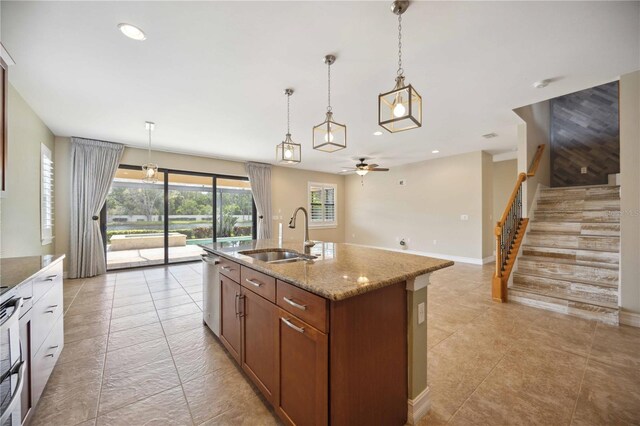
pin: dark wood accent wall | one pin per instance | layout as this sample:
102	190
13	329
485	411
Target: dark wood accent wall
585	132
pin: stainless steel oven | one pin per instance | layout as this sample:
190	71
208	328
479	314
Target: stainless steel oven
11	363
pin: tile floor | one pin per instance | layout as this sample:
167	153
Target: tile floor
136	353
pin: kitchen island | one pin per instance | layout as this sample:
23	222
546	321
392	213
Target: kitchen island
337	337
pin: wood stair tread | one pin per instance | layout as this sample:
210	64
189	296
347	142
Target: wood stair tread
540	274
574	262
573	298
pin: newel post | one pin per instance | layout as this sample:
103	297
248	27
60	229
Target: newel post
498	292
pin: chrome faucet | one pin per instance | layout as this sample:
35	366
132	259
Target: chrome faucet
292	224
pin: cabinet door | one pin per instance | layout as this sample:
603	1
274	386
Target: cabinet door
303	364
260	338
230	316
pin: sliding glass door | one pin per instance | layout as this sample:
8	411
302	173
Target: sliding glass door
134	221
190	215
153	224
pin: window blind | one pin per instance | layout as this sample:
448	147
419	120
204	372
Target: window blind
46	195
322	204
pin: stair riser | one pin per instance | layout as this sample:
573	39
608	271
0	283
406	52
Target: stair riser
568	290
561	205
578	256
595	193
582	310
596	216
605	229
599	276
611	244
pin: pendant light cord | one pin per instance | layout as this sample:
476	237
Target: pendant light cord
329	86
288	114
149	150
400	70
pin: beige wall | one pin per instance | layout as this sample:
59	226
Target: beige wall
505	174
534	132
20	205
289	186
630	192
488	224
289	190
427	208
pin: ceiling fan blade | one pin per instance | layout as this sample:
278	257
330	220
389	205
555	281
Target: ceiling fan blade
379	169
371	166
345	171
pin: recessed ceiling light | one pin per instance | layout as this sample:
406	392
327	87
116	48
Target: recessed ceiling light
435	151
490	135
541	84
132	32
378	133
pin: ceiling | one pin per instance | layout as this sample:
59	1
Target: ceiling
211	74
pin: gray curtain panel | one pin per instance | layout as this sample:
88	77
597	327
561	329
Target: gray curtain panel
260	179
93	166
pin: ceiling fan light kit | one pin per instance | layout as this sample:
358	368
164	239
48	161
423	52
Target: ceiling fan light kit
401	108
288	152
329	136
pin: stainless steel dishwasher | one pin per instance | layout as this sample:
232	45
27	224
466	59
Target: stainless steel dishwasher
211	292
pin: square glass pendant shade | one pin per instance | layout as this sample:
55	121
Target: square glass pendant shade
150	173
288	152
400	109
329	136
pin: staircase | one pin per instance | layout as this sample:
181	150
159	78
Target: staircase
569	261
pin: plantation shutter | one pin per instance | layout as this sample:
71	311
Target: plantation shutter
316	204
46	195
322	204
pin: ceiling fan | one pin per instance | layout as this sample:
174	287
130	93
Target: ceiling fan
363	168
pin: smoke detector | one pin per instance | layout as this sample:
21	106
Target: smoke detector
490	135
541	84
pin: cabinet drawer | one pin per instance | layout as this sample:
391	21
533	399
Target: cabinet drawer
44	314
230	269
45	359
307	306
25	290
47	279
259	283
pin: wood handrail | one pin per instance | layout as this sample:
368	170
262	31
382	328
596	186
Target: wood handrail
521	178
536	161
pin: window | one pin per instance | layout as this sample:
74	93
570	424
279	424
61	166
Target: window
46	195
322	205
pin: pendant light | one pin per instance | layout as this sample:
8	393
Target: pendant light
329	136
288	151
150	169
401	108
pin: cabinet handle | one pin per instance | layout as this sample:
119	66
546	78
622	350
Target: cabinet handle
226	268
294	304
51	355
27	298
253	283
236	303
295	327
50	278
241	312
50	311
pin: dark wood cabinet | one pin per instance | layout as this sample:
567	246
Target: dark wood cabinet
230	316
304	372
259	342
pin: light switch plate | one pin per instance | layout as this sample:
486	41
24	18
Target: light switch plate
464	217
583	170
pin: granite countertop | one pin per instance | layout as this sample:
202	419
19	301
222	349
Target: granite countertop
340	270
16	270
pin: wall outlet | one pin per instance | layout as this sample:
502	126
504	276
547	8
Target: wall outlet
583	170
402	182
420	313
435	242
464	217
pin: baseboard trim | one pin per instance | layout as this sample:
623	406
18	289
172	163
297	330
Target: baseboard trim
418	407
630	318
461	259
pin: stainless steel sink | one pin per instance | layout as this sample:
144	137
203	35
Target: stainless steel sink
276	255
